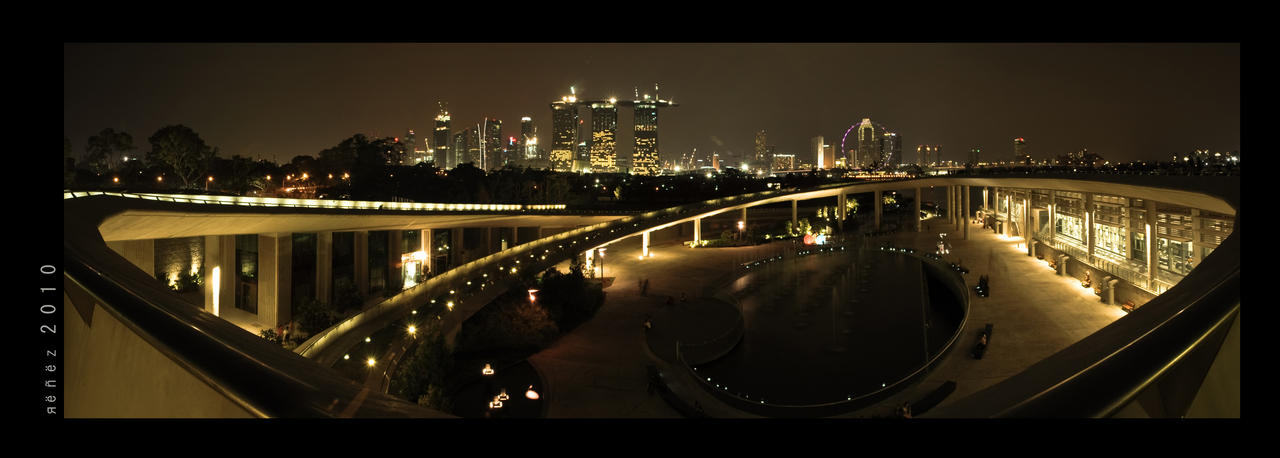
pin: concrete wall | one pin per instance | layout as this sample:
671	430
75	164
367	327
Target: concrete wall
141	253
111	372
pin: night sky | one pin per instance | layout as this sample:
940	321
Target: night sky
275	101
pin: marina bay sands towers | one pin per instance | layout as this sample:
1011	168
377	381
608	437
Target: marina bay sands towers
602	154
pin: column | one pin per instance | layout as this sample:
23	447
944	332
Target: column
950	213
218	270
744	218
964	219
1026	224
430	263
919	197
697	230
879	207
1195	237
1151	242
360	251
488	242
794	221
515	236
1088	225
395	238
324	266
275	269
1008	214
841	203
455	247
984	198
1053	211
644	244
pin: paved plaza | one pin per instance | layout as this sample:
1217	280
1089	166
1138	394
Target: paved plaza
599	369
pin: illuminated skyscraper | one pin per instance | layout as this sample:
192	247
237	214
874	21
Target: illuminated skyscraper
459	148
527	138
890	149
1020	155
441	140
644	160
564	133
761	158
927	155
604	135
973	155
815	146
491	150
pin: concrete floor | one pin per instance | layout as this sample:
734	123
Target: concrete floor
598	370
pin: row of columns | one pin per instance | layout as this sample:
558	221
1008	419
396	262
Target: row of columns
275	266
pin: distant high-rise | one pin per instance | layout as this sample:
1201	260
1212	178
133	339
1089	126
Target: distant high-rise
828	157
815	146
491	149
1020	155
460	148
644	159
526	136
868	150
890	149
928	155
564	133
762	159
441	140
973	155
604	136
768	154
784	162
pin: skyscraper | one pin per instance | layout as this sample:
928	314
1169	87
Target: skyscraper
871	144
761	159
890	149
604	135
928	154
564	133
1020	155
458	150
441	140
644	159
815	146
973	155
491	150
526	135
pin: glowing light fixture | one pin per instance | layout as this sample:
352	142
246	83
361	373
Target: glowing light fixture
371	362
530	394
488	370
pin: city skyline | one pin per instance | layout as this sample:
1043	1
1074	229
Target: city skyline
276	101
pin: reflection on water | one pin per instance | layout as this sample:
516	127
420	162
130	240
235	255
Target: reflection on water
831	327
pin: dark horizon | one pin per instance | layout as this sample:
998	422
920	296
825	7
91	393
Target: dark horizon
276	101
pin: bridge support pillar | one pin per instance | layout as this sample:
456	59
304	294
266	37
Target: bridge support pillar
395	277
515	236
1008	214
841	203
744	217
697	231
794	220
360	251
964	219
324	266
644	244
951	214
879	208
275	269
919	223
455	248
429	264
219	261
984	198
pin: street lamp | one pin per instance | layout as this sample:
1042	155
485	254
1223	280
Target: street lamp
601	251
206	183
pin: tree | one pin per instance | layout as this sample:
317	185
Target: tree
103	150
181	151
